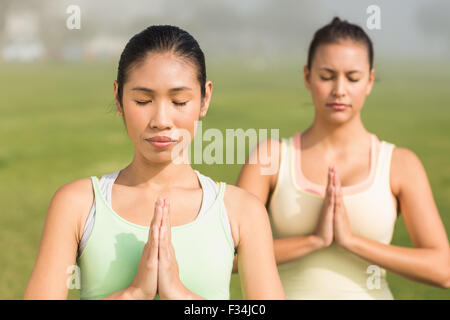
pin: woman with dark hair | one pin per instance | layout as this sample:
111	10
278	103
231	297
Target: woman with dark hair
127	240
334	199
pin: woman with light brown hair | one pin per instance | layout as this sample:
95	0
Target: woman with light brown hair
334	200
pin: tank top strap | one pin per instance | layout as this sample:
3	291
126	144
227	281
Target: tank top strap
290	154
286	152
101	188
97	189
284	170
222	186
223	215
219	205
384	164
287	165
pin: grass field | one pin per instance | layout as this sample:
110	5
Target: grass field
56	126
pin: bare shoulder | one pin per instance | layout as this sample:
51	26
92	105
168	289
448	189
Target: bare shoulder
72	202
405	156
260	172
405	165
243	209
270	147
75	193
270	144
238	198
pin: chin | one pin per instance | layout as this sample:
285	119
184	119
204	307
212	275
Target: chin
338	118
162	157
159	160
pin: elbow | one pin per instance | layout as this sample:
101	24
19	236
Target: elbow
445	278
445	283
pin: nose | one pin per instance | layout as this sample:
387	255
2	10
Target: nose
339	87
160	118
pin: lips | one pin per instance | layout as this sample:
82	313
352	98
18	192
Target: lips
161	142
338	106
160	139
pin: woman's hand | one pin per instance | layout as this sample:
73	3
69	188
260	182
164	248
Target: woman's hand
342	231
145	284
324	230
169	283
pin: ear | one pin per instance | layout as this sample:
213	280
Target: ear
116	98
371	80
206	99
307	75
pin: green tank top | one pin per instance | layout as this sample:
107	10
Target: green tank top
110	260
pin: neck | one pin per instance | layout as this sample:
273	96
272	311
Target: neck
336	135
142	173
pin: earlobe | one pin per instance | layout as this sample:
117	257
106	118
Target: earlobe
203	109
119	111
206	99
306	77
119	107
116	98
371	80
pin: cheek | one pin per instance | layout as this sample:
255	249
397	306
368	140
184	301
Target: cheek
136	121
191	121
184	122
188	122
321	91
358	93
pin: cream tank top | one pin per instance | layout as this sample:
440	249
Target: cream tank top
294	208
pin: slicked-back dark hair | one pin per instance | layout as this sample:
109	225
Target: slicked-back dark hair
161	38
338	30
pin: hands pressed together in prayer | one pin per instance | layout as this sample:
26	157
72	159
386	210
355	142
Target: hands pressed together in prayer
333	223
158	268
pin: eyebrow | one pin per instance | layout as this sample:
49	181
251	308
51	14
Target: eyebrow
333	71
148	90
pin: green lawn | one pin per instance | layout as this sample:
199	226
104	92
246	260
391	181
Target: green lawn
56	125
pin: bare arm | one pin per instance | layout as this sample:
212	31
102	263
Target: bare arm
58	247
291	248
262	186
429	260
257	267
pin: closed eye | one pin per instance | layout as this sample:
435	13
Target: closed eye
141	103
179	104
350	79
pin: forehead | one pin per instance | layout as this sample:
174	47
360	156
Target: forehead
343	55
163	71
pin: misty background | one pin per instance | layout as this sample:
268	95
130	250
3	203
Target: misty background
255	31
